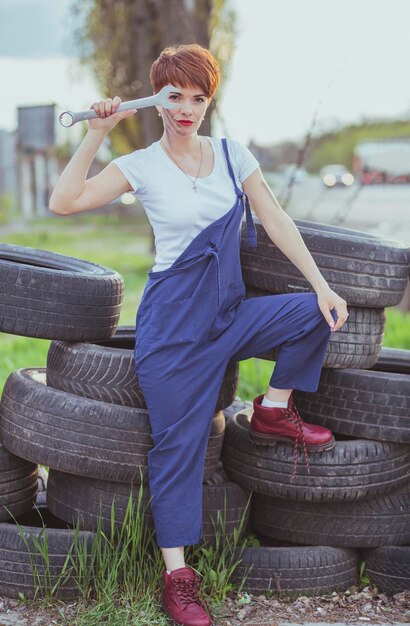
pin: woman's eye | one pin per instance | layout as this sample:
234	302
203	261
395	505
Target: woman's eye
200	100
173	96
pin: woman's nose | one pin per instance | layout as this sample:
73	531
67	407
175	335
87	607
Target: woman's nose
186	107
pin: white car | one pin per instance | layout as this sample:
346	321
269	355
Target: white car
336	174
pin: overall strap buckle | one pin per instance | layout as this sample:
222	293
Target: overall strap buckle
252	237
240	194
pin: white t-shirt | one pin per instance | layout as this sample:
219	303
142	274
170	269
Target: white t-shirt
175	211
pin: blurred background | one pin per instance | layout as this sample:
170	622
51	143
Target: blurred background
317	90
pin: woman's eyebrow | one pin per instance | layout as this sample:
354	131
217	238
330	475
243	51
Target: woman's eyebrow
196	96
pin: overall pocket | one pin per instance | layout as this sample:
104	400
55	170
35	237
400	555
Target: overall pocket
172	323
236	293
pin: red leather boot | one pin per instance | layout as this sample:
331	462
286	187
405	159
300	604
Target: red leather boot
180	598
272	424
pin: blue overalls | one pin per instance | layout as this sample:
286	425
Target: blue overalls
193	318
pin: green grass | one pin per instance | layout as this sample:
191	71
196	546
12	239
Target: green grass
124	245
118	594
119	575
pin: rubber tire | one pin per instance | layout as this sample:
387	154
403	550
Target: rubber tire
105	371
16	573
18	485
360	403
357	344
296	570
354	470
365	270
365	524
53	296
389	568
82	436
393	360
74	498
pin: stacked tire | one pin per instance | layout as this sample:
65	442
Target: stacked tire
48	296
356	502
84	415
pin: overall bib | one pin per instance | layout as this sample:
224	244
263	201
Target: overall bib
193	318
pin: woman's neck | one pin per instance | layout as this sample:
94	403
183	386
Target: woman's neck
181	145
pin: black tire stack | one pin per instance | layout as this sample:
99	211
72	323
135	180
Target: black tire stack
356	502
48	296
84	416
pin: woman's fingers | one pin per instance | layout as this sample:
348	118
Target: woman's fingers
106	109
108	106
116	103
329	302
342	315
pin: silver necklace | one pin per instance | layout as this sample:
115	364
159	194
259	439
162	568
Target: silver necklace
193	180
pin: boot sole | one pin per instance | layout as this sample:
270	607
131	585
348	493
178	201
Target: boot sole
171	619
270	440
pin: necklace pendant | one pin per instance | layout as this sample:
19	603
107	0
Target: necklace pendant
195	187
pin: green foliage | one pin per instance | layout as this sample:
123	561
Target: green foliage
8	208
339	147
46	582
217	563
363	579
223	31
397	333
118	573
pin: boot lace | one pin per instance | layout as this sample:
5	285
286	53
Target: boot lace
188	591
294	417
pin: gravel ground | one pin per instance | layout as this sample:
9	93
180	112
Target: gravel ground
351	607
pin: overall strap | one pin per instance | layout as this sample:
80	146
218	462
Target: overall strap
250	226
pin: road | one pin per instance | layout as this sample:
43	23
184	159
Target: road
376	209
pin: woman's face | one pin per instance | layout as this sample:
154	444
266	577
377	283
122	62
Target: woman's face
186	118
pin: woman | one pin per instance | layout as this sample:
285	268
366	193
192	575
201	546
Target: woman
194	317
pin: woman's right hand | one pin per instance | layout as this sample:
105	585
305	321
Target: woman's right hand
108	117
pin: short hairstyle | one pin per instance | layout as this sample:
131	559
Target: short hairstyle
186	65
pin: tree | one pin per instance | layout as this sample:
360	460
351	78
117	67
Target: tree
119	40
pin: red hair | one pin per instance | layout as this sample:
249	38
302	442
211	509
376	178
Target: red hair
186	65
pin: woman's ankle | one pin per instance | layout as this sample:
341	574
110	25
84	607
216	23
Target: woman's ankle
173	557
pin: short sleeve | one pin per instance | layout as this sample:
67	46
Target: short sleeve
245	162
132	165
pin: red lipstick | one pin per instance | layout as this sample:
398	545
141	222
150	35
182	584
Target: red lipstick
185	122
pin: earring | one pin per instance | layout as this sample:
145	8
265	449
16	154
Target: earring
159	114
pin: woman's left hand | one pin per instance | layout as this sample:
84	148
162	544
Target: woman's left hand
327	300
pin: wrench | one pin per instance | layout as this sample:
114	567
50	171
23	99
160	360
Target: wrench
69	118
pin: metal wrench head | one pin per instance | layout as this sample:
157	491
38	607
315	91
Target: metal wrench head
161	97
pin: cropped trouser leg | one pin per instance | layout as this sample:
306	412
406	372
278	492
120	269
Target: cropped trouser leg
292	321
181	407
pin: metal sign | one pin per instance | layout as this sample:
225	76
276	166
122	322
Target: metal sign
36	127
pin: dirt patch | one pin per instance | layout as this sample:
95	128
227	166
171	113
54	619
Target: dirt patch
14	613
350	607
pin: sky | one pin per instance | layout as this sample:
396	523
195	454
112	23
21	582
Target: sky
294	59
